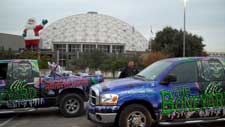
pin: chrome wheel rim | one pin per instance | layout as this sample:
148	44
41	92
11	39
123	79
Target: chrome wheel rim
136	119
72	106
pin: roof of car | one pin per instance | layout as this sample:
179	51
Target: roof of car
183	59
16	60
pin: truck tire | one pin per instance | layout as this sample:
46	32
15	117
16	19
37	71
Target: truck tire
71	105
135	115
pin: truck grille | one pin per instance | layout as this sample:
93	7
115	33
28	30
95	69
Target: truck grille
93	96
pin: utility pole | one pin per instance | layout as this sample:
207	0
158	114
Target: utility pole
184	34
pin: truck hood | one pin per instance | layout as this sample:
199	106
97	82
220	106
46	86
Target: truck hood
120	84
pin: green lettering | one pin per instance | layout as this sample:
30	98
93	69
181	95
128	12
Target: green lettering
188	104
167	102
219	99
203	103
210	100
196	103
187	91
179	104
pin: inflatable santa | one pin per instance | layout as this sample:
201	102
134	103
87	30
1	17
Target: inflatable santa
31	33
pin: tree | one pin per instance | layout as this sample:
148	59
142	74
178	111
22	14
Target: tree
29	54
43	62
170	41
114	63
89	59
153	57
103	61
6	54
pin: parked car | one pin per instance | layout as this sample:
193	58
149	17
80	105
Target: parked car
22	89
168	92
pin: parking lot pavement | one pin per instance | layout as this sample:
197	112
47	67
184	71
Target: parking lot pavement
6	118
47	118
52	118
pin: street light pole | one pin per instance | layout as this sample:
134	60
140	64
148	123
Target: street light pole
184	33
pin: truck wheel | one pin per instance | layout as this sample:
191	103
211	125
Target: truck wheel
71	105
135	115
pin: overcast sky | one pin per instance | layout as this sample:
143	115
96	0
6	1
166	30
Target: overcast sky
204	17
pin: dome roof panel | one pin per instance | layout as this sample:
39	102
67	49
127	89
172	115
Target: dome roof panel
92	27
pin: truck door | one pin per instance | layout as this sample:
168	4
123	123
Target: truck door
179	100
21	91
212	84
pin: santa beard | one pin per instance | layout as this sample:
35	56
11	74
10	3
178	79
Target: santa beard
30	26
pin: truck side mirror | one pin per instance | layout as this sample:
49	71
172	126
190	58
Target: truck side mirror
168	79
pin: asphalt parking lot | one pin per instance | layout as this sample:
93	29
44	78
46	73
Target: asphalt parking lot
43	118
51	117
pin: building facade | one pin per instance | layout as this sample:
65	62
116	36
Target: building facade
10	41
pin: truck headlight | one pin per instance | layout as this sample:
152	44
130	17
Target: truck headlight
109	99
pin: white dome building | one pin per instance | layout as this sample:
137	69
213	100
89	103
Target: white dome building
86	32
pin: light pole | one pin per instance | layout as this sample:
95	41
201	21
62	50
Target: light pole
185	5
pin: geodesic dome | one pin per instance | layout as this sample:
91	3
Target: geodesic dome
93	28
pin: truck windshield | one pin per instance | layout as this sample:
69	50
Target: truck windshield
154	70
